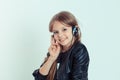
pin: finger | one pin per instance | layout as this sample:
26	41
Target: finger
52	40
58	46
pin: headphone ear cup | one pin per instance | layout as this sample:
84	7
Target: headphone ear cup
74	30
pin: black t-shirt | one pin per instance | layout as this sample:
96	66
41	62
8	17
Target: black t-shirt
61	58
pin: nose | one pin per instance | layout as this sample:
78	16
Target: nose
60	34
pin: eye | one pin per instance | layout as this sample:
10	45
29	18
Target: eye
55	32
64	29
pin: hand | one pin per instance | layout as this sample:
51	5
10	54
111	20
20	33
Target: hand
54	49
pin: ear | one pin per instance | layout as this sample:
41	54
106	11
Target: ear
74	30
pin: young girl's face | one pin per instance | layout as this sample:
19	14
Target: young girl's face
62	34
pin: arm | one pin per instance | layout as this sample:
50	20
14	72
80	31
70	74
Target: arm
54	51
43	71
80	64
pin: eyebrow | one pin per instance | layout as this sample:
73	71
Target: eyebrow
64	27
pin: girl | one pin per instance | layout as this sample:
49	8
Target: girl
67	57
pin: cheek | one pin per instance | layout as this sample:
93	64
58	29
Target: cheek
70	35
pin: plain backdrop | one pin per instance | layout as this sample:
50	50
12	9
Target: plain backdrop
24	35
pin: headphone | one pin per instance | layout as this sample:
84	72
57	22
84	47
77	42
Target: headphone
74	30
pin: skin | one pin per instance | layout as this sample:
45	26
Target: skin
62	37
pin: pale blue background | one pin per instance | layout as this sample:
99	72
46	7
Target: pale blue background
24	35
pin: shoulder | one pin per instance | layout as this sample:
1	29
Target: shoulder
79	47
80	51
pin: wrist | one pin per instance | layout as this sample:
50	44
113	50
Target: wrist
51	58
